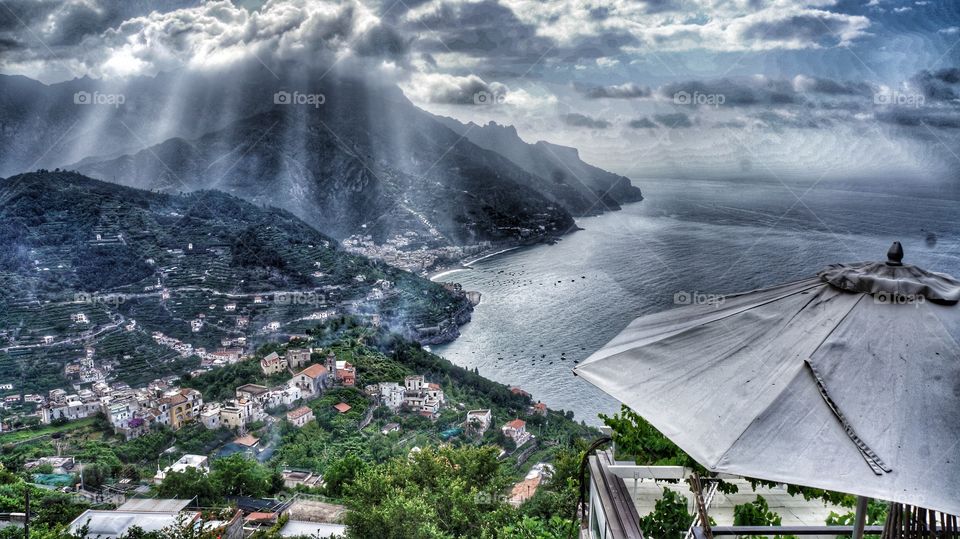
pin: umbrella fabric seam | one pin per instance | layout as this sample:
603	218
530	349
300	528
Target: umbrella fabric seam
872	459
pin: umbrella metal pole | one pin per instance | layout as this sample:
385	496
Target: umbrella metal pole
861	517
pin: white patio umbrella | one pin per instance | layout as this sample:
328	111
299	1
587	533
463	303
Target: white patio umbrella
848	381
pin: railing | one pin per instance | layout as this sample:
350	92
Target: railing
783	530
706	503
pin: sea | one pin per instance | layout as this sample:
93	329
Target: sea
546	307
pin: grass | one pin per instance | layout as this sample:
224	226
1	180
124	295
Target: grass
46	430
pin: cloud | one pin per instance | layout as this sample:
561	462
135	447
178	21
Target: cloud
807	84
674	120
642	123
627	90
940	85
212	34
749	91
921	118
799	29
452	89
579	120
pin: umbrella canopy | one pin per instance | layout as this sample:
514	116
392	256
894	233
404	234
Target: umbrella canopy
848	381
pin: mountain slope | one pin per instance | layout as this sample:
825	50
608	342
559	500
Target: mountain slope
62	234
366	161
582	188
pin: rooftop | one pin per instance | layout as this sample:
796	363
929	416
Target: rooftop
248	440
110	524
342	407
298	413
516	424
253	389
154	505
314	371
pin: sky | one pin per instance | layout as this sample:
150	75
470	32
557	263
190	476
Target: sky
807	89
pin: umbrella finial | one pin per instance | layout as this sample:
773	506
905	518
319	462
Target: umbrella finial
895	255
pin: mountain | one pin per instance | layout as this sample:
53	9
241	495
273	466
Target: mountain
365	161
581	188
90	263
54	125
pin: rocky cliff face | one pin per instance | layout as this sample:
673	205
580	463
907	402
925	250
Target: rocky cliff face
558	171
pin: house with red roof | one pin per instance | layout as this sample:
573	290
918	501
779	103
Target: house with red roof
516	430
311	381
300	417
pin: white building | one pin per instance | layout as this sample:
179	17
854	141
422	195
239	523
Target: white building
391	395
199	462
478	421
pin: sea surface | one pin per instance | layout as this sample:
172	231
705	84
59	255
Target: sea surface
545	307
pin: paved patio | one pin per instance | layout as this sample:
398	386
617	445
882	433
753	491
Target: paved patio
793	510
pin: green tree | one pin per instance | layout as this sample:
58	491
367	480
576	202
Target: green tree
538	528
237	475
190	483
341	472
669	519
95	475
437	493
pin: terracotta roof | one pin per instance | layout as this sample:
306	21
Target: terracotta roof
298	413
516	424
433	386
249	440
174	400
314	371
524	490
342	407
540	406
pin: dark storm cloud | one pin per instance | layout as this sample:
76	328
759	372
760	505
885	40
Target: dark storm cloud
811	28
485	29
42	24
761	91
642	123
382	41
660	6
941	85
922	118
617	91
831	87
676	120
579	120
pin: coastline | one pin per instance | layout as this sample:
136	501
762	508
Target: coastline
466	263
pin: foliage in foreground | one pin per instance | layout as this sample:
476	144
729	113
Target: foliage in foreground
669	519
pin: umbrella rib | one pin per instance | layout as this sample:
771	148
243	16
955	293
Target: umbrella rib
875	462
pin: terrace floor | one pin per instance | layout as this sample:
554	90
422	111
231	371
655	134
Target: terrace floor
793	510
